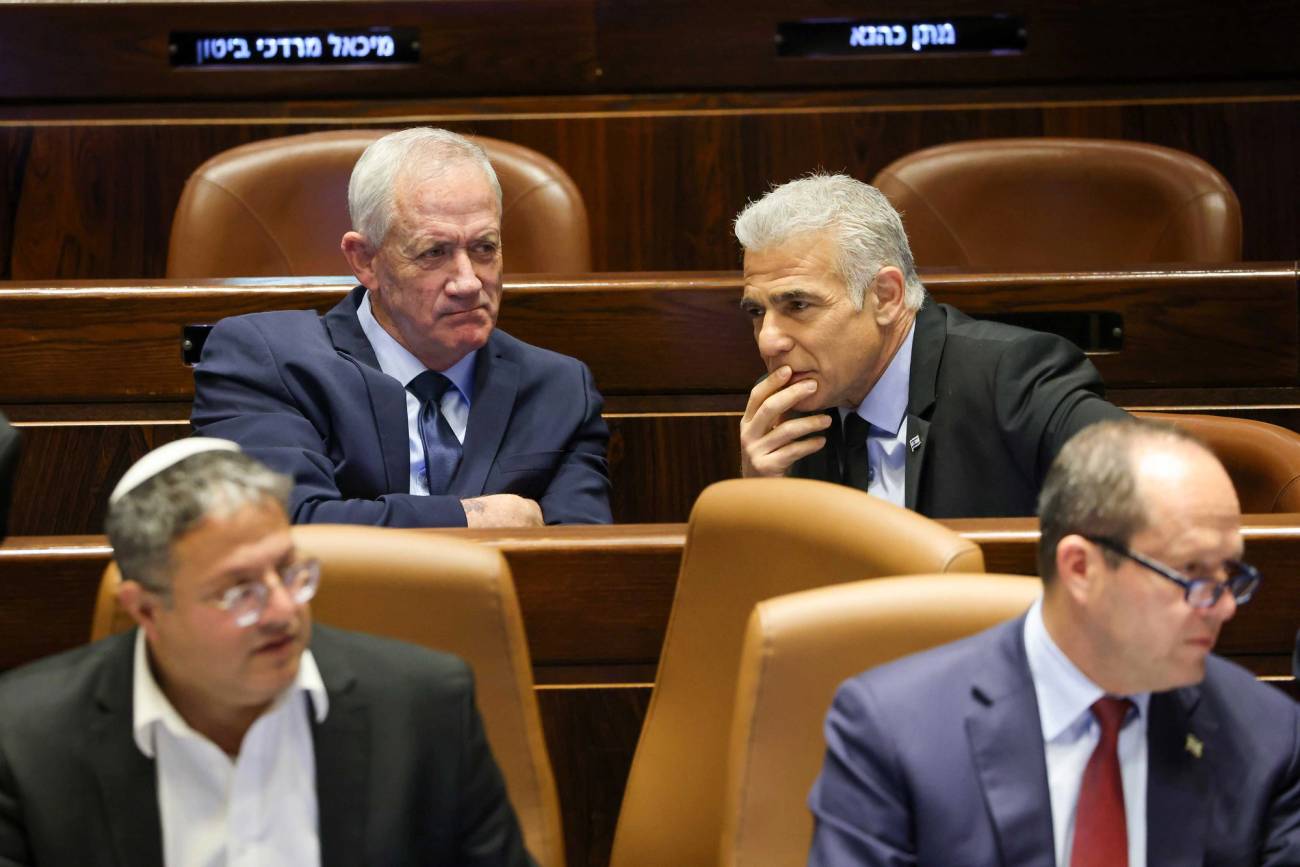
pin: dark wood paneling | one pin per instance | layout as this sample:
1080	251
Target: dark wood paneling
92	199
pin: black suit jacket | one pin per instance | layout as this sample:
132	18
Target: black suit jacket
989	406
304	394
404	775
9	451
937	760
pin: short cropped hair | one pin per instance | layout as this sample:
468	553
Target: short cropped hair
374	178
1091	487
868	231
143	523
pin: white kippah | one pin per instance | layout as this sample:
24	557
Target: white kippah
165	456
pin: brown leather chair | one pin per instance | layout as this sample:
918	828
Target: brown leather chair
1059	204
441	593
748	540
798	648
278	208
1263	460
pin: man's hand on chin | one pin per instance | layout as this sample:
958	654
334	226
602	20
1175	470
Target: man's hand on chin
502	510
769	442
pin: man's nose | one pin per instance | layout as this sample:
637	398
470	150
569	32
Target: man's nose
772	339
1224	608
280	605
465	278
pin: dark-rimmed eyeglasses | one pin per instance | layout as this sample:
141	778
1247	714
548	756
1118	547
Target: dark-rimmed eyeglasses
1242	581
245	602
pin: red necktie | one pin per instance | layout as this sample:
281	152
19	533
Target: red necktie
1100	830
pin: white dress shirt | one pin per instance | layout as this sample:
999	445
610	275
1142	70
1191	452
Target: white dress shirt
885	407
398	362
257	810
1070	733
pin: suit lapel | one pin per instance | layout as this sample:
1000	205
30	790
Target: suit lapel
127	779
496	382
342	746
1178	780
927	351
387	395
1006	743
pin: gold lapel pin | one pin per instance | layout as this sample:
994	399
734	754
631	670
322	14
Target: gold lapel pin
1194	745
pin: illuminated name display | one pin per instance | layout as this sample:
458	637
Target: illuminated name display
991	34
373	45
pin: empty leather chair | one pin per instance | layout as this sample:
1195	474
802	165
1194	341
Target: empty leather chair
278	208
1262	459
1058	204
748	540
445	594
798	648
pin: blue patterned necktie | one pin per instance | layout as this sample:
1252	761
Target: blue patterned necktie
441	448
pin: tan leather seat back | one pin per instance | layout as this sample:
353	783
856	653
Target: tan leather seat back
748	540
1059	204
798	648
279	207
1263	460
445	594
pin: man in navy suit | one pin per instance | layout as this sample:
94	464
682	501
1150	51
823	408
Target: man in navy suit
1098	728
403	406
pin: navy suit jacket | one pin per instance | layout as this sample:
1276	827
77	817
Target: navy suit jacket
937	759
404	775
304	394
989	406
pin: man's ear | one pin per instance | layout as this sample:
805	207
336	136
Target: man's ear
140	604
1074	567
890	289
361	258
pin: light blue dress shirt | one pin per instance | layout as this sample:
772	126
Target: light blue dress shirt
398	362
1070	733
885	408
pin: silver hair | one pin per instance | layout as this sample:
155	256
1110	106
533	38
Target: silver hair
1091	487
143	524
868	231
374	177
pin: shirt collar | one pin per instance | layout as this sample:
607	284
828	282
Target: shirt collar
150	707
398	362
885	405
1064	692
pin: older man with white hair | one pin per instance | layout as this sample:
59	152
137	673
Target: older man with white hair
871	384
404	405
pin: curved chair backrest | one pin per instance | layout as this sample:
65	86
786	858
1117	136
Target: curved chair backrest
279	207
449	595
1262	459
798	648
1061	203
748	540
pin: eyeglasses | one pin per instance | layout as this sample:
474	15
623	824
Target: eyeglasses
245	602
1243	579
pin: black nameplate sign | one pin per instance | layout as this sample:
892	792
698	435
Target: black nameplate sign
356	47
989	34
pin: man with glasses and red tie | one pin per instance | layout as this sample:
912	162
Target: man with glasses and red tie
1098	730
226	729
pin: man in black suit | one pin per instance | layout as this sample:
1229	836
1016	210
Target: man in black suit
928	408
226	729
10	444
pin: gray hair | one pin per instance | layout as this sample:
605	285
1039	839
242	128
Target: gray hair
1091	488
868	231
143	523
374	177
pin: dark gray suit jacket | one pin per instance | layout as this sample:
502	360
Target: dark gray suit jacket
989	406
937	759
404	775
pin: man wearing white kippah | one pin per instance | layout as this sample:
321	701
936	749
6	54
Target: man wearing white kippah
225	730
